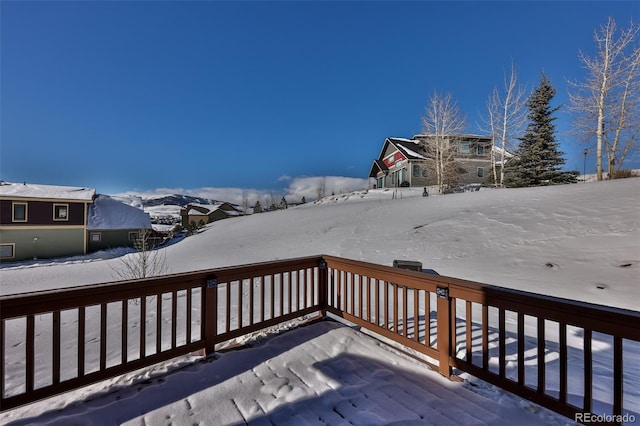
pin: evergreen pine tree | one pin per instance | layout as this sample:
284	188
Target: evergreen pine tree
538	160
304	200
257	208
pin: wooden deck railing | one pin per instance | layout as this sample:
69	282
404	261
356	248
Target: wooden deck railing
463	325
55	341
495	334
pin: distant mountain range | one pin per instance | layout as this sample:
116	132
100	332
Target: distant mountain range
177	200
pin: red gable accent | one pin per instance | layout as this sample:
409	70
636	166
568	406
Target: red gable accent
390	161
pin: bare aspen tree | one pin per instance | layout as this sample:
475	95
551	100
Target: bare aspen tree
273	202
442	119
245	203
606	104
506	116
145	262
322	188
626	117
492	121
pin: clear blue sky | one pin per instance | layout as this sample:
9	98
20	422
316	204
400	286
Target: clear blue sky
141	95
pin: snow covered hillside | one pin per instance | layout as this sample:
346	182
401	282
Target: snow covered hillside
577	241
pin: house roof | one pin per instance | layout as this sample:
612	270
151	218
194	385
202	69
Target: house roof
196	212
454	135
412	149
376	167
51	192
499	150
107	213
207	209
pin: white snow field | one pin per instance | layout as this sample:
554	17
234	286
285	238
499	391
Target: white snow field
579	242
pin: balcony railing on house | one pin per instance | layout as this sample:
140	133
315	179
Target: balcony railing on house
55	341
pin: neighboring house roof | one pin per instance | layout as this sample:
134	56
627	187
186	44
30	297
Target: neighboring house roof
196	212
453	136
507	155
52	192
412	149
378	166
107	213
207	209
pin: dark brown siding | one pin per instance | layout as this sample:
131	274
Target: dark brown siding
5	212
41	213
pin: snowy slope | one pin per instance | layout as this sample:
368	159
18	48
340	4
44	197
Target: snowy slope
579	241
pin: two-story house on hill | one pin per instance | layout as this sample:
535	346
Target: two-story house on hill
411	162
201	214
42	221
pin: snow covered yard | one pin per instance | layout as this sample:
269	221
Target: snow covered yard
579	242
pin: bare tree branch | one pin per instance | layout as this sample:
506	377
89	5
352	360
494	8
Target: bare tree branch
507	115
442	119
606	103
145	262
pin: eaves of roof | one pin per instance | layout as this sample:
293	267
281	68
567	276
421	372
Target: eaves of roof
410	149
377	164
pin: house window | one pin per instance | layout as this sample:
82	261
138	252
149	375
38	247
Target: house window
480	171
465	148
19	212
416	171
60	212
96	237
480	149
7	251
133	236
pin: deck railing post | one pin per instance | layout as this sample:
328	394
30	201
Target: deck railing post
210	315
323	286
443	308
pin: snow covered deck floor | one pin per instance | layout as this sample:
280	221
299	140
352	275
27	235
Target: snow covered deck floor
323	373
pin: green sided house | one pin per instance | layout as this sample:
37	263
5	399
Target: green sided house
113	223
43	221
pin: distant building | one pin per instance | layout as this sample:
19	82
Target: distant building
43	221
112	223
410	162
201	214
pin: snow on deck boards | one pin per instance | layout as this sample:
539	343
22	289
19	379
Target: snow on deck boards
323	373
